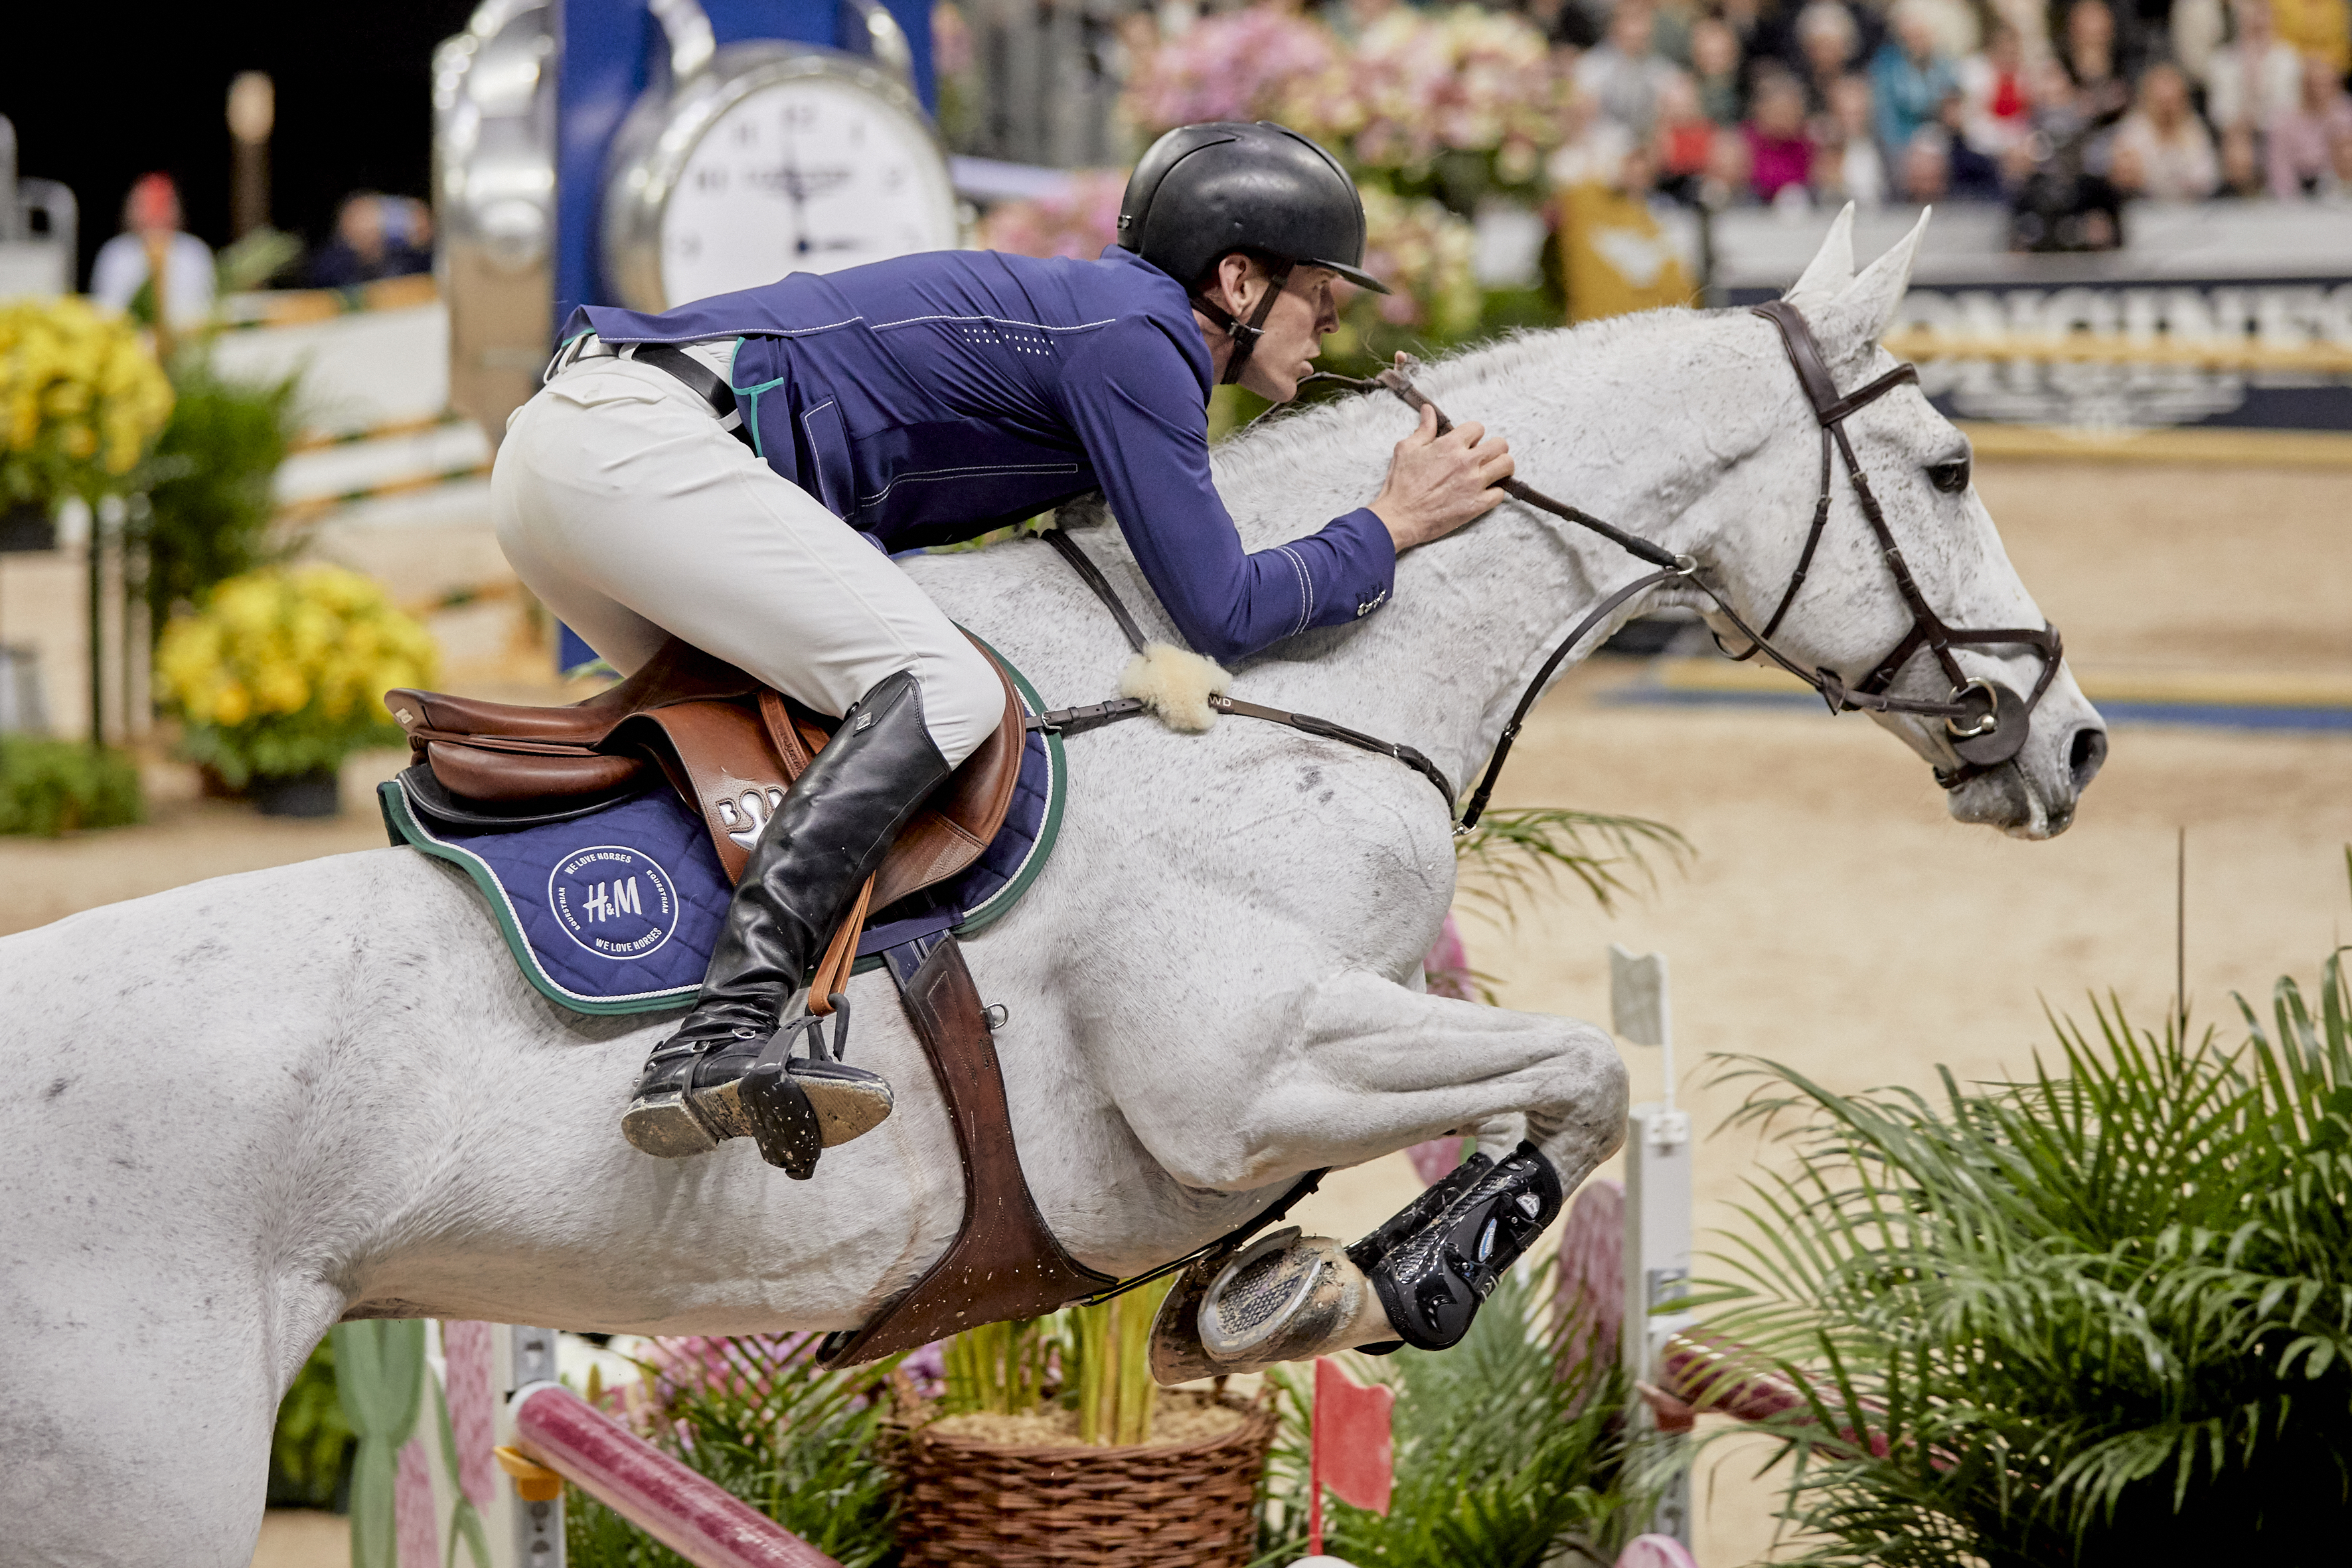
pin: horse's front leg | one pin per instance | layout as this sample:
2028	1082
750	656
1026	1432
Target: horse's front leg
1369	1067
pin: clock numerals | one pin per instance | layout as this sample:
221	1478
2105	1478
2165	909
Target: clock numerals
811	174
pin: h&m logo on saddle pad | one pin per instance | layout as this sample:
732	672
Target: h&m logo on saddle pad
615	901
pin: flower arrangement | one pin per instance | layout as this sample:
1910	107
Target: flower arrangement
81	398
1420	87
1463	80
282	673
1261	63
1421	252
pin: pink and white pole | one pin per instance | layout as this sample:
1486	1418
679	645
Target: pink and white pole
693	1517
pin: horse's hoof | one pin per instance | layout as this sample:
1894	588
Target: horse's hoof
849	1102
1285	1297
663	1126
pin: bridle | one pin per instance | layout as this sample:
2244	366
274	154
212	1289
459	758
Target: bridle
1987	720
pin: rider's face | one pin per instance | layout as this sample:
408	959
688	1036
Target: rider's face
1306	309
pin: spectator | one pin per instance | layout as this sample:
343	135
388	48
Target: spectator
1954	23
1730	171
1685	139
376	236
2101	87
1928	165
1780	154
1910	77
1827	40
151	233
2241	161
1715	62
1999	110
2199	27
2256	76
2301	142
2317	30
1969	175
1848	167
2162	149
1626	74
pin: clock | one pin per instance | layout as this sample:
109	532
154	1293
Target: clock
769	159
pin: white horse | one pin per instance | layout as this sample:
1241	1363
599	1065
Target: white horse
234	1113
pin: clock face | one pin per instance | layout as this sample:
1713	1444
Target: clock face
808	175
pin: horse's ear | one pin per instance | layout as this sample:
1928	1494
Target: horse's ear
1860	314
1832	266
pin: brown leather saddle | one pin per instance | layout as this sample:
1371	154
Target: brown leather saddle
730	747
728	744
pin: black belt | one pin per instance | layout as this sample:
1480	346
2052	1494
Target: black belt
699	378
702	381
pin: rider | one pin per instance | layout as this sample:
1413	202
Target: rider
732	471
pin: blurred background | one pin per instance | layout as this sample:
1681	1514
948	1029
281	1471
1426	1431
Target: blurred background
271	279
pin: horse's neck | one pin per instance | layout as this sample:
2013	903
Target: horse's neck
1474	614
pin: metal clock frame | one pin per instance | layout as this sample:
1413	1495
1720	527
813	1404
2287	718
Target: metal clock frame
661	131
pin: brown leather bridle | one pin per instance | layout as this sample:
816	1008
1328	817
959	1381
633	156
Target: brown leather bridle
1987	720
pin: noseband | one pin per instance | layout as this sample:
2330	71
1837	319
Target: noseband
1987	720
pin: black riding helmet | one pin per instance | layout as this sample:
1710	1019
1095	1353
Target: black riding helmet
1203	192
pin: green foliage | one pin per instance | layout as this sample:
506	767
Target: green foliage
1106	1361
311	1447
764	1422
1504	1458
2103	1314
1511	854
208	484
53	787
999	1368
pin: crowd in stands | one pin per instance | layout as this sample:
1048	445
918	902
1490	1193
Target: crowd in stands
2064	110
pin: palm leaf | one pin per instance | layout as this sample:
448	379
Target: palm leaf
1512	855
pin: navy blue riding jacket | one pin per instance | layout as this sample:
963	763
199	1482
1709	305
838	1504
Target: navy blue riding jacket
933	397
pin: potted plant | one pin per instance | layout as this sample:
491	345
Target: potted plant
1050	1443
282	674
81	398
2098	1313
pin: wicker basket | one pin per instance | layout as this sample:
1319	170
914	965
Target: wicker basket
970	1505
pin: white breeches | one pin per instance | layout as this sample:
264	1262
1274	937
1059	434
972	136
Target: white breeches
622	503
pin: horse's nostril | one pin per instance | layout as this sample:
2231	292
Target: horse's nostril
2085	754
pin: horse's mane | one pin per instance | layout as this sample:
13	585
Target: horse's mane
1295	459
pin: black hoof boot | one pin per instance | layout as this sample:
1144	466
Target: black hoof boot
1471	1227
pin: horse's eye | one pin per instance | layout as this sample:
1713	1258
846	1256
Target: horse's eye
1950	478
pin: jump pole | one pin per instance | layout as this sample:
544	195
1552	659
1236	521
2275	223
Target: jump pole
1657	1207
693	1517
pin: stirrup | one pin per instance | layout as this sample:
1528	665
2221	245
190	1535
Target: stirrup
792	1107
796	1107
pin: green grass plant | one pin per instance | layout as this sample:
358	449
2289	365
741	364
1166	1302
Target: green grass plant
2101	1314
1505	1459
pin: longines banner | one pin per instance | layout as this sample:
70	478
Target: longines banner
2261	338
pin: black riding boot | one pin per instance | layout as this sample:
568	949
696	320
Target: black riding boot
717	1076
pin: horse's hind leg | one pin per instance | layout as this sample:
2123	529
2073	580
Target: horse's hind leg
131	1440
1374	1067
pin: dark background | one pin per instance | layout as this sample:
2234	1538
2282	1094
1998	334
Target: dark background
101	94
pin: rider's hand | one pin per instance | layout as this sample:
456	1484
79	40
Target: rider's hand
1437	483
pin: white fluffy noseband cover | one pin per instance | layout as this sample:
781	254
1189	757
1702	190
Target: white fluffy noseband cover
1176	684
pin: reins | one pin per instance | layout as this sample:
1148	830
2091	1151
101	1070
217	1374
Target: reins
1996	718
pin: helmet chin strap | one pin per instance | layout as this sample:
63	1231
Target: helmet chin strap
1246	334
